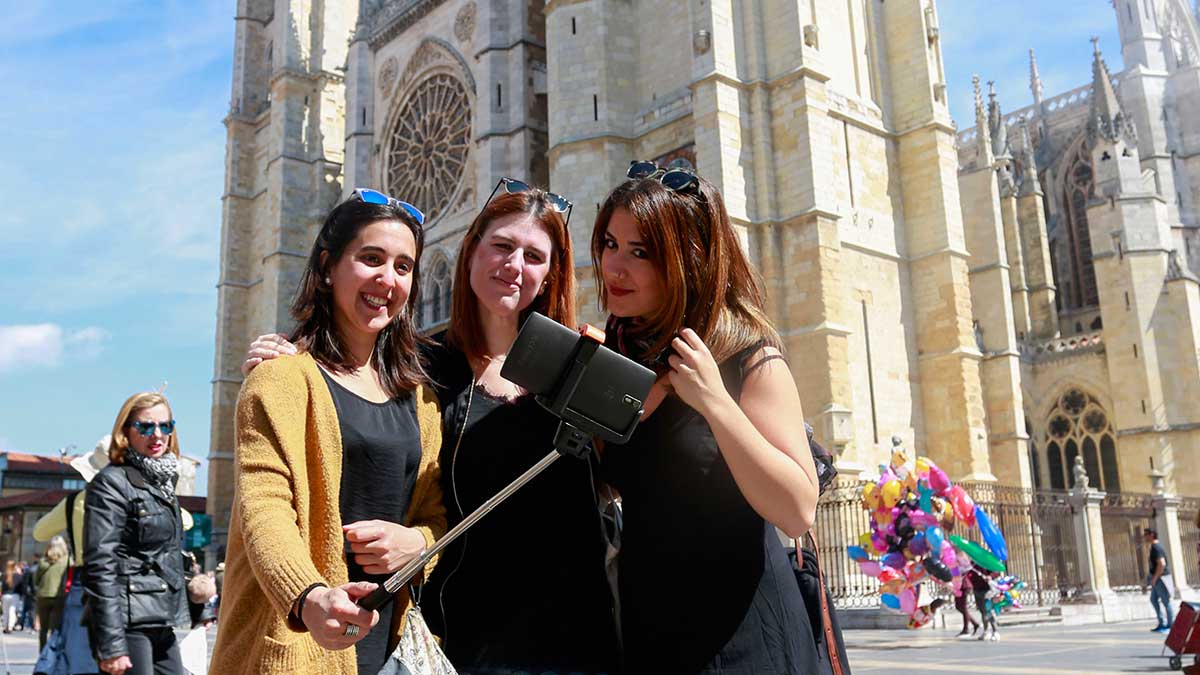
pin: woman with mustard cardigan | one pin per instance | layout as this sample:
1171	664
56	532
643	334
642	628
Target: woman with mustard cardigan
336	468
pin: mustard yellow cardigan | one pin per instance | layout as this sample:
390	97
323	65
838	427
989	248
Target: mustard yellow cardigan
286	528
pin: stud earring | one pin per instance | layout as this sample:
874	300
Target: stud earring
328	281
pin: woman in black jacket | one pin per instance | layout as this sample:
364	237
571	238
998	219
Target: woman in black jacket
132	544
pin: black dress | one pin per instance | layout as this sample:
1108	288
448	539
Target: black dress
525	588
381	453
705	583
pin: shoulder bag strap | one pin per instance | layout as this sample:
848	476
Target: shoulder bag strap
831	645
68	576
71	525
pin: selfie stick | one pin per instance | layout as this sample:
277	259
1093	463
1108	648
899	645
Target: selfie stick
569	440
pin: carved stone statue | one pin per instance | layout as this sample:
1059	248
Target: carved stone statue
1081	477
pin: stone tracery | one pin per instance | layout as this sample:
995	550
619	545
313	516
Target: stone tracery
1079	427
428	138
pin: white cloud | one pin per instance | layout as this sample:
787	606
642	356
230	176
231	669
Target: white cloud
47	345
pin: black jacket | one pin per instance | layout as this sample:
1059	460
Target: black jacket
132	557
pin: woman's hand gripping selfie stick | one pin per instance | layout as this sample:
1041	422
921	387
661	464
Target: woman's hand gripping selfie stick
397	581
628	384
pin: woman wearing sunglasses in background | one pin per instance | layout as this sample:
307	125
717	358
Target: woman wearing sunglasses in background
525	589
133	531
720	457
336	468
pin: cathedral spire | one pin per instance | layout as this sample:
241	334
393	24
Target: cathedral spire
1035	79
1029	177
983	145
998	130
1105	117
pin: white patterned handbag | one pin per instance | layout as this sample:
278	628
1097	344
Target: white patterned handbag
418	652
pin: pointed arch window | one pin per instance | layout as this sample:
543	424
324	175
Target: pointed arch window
1078	188
1078	425
435	297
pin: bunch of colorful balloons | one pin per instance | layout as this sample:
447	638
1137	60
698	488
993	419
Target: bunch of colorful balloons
912	506
1008	590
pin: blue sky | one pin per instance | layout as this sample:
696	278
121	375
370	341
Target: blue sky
111	188
113	177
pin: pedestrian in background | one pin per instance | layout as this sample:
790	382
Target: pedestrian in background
68	649
48	583
1159	582
134	577
970	625
27	617
10	598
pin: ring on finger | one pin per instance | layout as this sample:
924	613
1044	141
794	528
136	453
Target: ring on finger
351	630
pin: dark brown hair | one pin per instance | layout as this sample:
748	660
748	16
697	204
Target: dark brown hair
707	281
396	357
558	302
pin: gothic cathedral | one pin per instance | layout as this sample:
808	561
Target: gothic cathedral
1003	299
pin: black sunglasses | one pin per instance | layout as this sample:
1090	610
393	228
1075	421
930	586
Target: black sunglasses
147	428
676	180
513	186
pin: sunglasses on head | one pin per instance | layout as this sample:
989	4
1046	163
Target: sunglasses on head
147	428
676	180
376	197
513	186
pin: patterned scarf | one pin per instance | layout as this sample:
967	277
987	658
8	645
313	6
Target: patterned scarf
161	472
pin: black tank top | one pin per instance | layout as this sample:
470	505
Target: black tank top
705	583
381	453
525	589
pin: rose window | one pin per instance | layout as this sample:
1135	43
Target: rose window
428	145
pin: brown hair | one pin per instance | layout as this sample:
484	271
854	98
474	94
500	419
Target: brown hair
135	404
707	281
10	570
396	356
558	302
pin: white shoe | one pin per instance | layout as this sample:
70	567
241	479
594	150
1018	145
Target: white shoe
995	637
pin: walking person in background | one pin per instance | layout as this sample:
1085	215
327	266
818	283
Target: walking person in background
27	619
336	470
10	595
68	649
981	586
133	531
48	580
960	604
1159	582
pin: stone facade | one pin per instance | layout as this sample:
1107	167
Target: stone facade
1097	198
919	276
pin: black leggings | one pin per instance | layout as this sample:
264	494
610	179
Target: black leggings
986	614
153	651
960	603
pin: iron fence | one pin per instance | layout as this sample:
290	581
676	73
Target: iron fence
1037	525
1123	516
1039	531
840	519
1189	537
1059	577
